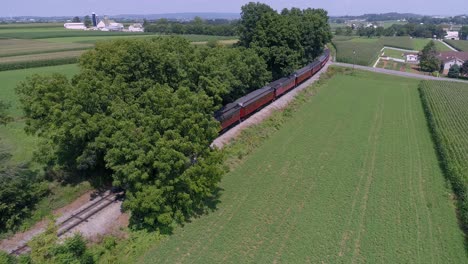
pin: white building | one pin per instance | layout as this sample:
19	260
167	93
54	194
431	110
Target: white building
109	25
77	26
412	57
136	28
452	35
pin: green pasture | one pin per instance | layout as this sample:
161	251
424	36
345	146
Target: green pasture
351	177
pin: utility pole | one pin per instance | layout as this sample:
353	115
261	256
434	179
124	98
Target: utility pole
354	58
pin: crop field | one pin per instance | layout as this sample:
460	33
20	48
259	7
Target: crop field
447	111
336	183
398	42
458	44
419	44
366	52
42	56
13	134
94	39
17	47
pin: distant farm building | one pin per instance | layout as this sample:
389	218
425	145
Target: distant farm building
76	26
136	28
109	25
449	58
452	35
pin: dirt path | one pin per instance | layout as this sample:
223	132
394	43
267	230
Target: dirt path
109	220
446	44
266	112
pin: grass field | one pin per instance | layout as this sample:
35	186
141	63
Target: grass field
367	51
458	44
351	177
447	112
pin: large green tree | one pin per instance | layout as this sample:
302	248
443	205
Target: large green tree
464	33
141	112
428	59
285	41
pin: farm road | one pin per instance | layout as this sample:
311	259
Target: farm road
397	73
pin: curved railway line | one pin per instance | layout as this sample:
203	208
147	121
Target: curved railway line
77	218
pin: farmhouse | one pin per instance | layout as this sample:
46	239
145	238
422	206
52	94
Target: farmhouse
452	35
136	28
78	26
449	58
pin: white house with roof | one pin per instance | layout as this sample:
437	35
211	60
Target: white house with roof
136	28
452	35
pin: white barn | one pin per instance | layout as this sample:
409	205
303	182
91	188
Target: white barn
77	26
136	28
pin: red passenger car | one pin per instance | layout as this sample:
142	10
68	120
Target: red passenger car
255	100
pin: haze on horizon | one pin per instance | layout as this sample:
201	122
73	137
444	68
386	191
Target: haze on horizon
116	7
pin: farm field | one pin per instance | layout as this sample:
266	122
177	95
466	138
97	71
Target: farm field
419	44
13	135
367	51
335	184
447	112
17	47
458	44
94	39
42	56
397	54
398	42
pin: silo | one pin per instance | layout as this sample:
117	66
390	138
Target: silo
94	19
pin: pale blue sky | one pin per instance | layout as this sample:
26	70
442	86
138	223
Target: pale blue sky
115	7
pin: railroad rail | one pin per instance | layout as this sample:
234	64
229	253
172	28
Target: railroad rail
77	218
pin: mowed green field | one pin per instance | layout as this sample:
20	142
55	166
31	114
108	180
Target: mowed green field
351	177
13	135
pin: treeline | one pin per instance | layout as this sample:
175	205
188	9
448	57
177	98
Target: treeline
218	27
410	29
286	40
459	20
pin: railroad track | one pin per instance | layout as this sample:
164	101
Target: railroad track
76	218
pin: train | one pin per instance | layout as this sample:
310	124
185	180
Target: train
233	113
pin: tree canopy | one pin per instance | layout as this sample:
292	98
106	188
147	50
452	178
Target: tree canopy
454	71
141	112
428	59
285	41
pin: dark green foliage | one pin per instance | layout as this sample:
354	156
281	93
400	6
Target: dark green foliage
5	258
76	19
87	21
428	59
197	26
464	68
454	71
36	63
45	248
464	33
20	190
4	117
285	41
141	111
